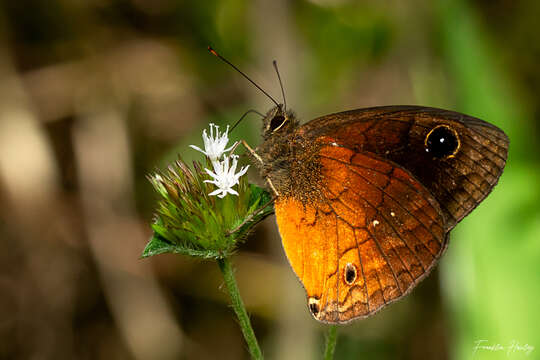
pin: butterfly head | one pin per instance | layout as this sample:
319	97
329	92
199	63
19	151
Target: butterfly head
278	121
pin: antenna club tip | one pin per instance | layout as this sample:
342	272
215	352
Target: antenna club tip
212	51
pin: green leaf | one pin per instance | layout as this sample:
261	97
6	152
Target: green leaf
157	245
258	195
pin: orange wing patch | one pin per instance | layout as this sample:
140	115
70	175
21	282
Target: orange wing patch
372	236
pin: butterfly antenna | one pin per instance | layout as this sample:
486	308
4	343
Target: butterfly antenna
243	116
213	52
280	85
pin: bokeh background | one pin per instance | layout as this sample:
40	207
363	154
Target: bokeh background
95	94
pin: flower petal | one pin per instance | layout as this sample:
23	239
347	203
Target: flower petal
197	148
215	192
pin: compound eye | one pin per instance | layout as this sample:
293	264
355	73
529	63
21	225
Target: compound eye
442	142
277	122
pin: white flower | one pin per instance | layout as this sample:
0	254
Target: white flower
224	177
214	145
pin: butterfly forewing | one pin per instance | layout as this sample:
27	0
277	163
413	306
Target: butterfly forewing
458	182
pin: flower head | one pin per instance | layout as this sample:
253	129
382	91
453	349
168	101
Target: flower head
189	221
224	177
214	145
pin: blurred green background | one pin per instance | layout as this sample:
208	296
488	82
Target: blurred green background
95	94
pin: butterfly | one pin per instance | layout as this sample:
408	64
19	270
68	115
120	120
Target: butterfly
365	199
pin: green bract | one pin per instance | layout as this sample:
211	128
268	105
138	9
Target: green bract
189	221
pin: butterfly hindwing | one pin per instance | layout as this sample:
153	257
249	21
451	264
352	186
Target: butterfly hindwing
373	233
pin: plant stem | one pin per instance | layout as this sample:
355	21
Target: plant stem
331	339
239	308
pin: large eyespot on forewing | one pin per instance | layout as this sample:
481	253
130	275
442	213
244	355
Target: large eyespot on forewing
442	142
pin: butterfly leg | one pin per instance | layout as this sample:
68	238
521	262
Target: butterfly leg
251	151
256	156
272	187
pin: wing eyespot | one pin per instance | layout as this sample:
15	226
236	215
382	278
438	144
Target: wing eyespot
313	304
350	274
442	142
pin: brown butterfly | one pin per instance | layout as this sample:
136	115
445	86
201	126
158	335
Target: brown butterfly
365	199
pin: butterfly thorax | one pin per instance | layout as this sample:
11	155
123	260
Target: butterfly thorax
288	160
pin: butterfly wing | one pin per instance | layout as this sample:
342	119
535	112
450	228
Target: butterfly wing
398	133
370	236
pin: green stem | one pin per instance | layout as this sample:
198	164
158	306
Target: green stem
331	340
239	308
